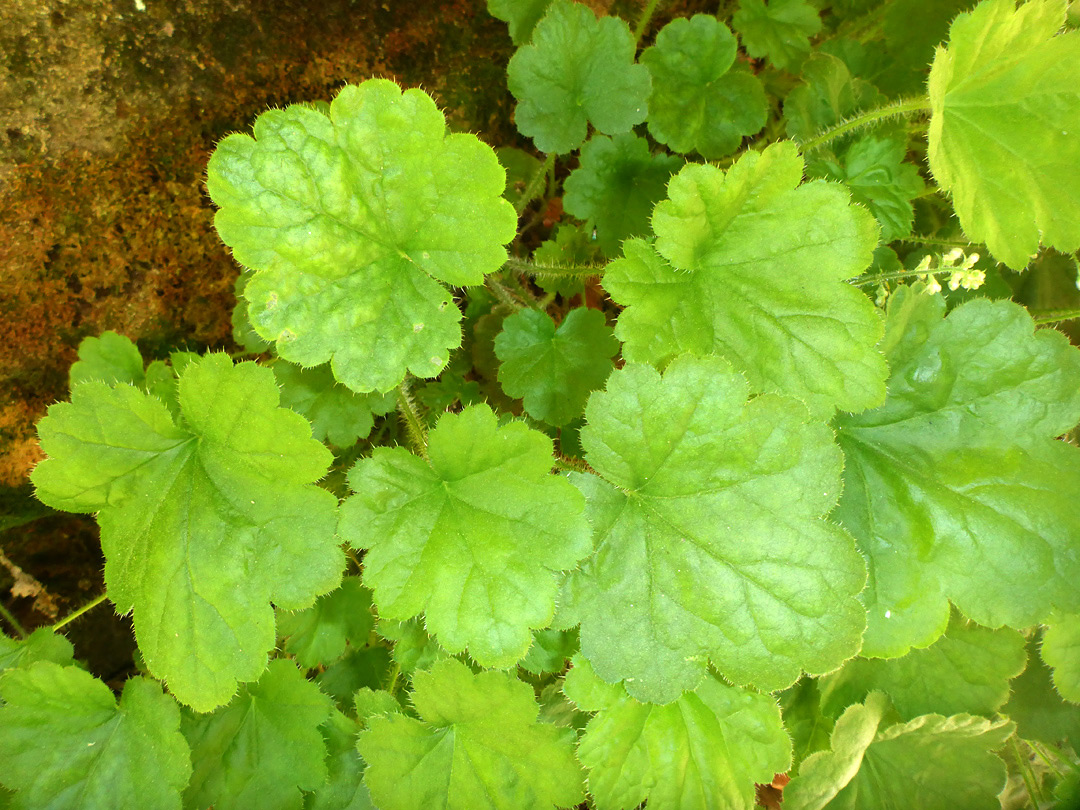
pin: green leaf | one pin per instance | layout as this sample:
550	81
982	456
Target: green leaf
359	668
809	727
750	265
344	788
373	703
1037	708
710	542
337	414
1004	135
477	744
827	94
413	647
957	476
616	186
873	168
577	71
351	221
472	539
65	743
913	29
263	748
243	332
550	650
41	645
706	750
966	671
780	30
698	102
203	522
111	358
520	15
555	369
932	762
521	167
318	634
1061	650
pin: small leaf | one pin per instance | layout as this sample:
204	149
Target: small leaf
1061	650
472	539
615	186
203	523
337	414
704	751
550	651
1036	706
577	70
1004	135
41	645
318	634
520	15
351	220
780	30
827	94
932	762
344	788
698	102
111	358
477	744
555	369
64	742
709	534
263	748
750	264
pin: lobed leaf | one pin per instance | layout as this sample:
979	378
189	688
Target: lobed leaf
337	414
780	30
1061	650
957	477
577	71
318	634
709	540
477	744
204	521
65	743
751	265
41	645
351	220
520	15
1004	135
472	538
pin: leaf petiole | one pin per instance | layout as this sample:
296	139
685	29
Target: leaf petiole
18	628
909	106
93	603
410	415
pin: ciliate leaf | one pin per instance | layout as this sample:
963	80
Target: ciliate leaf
957	476
1036	706
110	358
318	634
706	750
351	221
966	671
555	369
577	71
472	538
932	762
65	743
477	744
615	187
913	29
263	748
1061	650
873	168
520	15
413	647
826	95
41	645
699	103
809	727
204	521
750	264
550	650
1004	135
710	542
344	788
337	414
780	30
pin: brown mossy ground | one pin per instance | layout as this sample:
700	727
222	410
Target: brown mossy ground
110	114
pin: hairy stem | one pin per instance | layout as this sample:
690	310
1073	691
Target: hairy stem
18	628
934	242
535	184
570	464
1045	316
909	106
410	415
643	21
93	603
555	270
862	281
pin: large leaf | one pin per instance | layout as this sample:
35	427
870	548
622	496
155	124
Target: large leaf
204	521
477	744
706	750
1005	130
698	102
263	748
555	368
751	265
616	185
472	538
65	743
954	488
932	762
576	71
966	671
351	220
710	542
